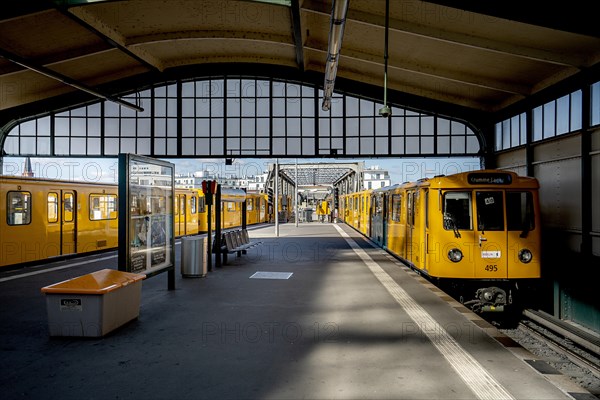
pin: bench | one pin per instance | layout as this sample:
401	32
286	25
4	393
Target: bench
235	241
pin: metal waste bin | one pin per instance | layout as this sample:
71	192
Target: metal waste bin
308	212
193	256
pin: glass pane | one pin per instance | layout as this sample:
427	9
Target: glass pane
537	124
248	107
202	107
576	110
188	107
490	211
549	119
262	107
562	115
456	208
519	212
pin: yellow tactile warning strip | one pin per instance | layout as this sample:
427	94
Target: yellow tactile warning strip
552	375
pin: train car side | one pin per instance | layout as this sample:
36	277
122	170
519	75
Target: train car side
43	219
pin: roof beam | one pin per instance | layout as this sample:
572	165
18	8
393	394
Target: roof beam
297	33
83	18
65	79
470	41
420	69
578	16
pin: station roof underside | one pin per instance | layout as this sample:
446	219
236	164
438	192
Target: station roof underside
474	58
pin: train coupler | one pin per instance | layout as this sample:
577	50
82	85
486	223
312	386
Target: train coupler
490	299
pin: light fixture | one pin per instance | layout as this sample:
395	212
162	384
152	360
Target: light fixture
339	9
525	256
455	255
386	111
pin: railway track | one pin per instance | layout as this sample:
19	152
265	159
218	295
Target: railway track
572	351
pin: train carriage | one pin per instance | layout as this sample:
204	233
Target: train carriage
477	232
43	218
256	208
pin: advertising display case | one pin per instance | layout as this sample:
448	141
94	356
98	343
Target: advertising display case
146	230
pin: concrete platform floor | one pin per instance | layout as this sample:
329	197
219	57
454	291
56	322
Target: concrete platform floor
349	322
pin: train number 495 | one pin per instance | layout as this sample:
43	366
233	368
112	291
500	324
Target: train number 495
491	268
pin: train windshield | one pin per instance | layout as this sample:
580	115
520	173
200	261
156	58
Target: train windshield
490	211
519	211
457	211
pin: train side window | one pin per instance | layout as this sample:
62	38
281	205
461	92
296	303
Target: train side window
457	211
176	211
490	211
519	211
182	204
230	206
201	204
249	204
52	207
68	207
193	201
19	208
103	206
396	207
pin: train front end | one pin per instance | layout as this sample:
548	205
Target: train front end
488	237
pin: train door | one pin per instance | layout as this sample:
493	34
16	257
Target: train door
68	226
378	214
410	224
180	216
384	219
424	228
457	211
491	252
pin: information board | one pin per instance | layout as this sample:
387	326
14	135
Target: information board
146	230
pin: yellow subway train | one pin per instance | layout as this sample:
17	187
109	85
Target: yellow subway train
42	219
476	233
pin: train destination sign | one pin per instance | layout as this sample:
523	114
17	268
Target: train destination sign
489	178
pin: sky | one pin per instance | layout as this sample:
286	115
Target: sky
106	169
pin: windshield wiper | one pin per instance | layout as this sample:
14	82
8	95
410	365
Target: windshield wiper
451	221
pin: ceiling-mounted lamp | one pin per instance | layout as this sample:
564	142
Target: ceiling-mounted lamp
386	111
339	9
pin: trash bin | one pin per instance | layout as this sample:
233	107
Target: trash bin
308	212
193	256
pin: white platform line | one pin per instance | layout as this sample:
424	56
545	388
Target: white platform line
481	382
43	271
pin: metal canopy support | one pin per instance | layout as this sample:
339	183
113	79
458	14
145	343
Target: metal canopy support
276	208
40	69
296	193
319	174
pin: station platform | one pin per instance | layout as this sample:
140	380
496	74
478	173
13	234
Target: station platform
315	313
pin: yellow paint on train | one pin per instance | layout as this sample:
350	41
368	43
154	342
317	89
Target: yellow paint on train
43	218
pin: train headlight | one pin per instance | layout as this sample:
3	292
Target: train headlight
525	256
455	255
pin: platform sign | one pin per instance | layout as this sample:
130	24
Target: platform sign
146	224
